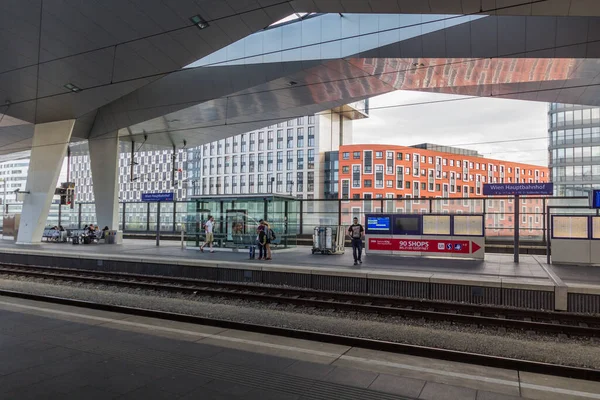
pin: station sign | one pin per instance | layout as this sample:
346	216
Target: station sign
424	245
522	189
595	199
152	197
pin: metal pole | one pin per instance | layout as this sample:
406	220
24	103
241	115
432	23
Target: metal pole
79	216
132	162
548	224
69	164
517	221
157	223
148	217
544	225
182	239
174	214
123	223
4	208
301	216
59	214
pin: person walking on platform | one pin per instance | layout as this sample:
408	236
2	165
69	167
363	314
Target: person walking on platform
208	229
355	231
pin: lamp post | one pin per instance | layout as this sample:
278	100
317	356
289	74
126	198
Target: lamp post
4	198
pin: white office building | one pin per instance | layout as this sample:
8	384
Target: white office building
284	158
13	176
146	169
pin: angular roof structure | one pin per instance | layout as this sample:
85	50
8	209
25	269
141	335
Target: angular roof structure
196	70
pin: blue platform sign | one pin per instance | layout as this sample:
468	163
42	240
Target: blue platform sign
595	199
523	189
157	196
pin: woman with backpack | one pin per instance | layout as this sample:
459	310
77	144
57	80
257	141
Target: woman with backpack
270	238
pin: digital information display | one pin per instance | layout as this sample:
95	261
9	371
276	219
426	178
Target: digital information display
407	225
595	199
569	227
378	223
436	225
468	225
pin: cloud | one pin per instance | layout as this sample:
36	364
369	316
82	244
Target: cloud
459	121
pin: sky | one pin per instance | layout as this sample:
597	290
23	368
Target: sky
462	123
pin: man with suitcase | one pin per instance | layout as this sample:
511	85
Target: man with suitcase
355	231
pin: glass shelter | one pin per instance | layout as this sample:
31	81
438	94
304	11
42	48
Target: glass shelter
238	216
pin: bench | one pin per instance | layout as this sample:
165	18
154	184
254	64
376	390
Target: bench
49	234
71	233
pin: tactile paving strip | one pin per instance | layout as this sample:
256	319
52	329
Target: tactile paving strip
252	377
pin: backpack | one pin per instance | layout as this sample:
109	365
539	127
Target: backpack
272	235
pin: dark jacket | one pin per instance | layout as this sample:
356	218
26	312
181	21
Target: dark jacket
262	237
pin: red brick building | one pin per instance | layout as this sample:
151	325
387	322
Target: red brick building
394	177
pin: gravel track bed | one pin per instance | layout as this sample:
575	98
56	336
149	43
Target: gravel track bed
544	348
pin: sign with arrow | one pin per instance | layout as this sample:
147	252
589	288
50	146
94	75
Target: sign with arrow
424	245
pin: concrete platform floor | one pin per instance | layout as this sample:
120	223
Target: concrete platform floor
495	265
50	351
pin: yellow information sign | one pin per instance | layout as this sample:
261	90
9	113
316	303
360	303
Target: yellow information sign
468	225
568	227
436	225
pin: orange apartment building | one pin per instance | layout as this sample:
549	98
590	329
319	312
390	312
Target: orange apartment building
426	172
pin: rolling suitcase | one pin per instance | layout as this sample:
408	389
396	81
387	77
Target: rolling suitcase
75	239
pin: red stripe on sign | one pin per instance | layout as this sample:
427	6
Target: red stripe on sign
422	245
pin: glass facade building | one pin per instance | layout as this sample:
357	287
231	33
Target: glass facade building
574	148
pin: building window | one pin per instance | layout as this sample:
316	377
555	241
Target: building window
345	169
379	176
368	162
356	176
345	189
389	183
399	156
368	183
379	154
356	155
311	159
300	160
345	155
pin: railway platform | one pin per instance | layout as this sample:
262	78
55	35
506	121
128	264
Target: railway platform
52	351
497	280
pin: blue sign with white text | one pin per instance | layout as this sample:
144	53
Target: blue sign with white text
504	189
595	199
378	223
157	196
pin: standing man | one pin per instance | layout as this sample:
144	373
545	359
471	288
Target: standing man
355	232
208	229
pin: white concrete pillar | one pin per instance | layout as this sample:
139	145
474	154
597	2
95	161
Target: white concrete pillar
49	147
104	159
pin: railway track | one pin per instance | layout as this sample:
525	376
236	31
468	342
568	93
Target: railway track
392	347
546	322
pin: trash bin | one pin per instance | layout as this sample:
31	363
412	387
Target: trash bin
110	237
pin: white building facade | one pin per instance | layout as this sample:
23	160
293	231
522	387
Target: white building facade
13	176
145	170
284	158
